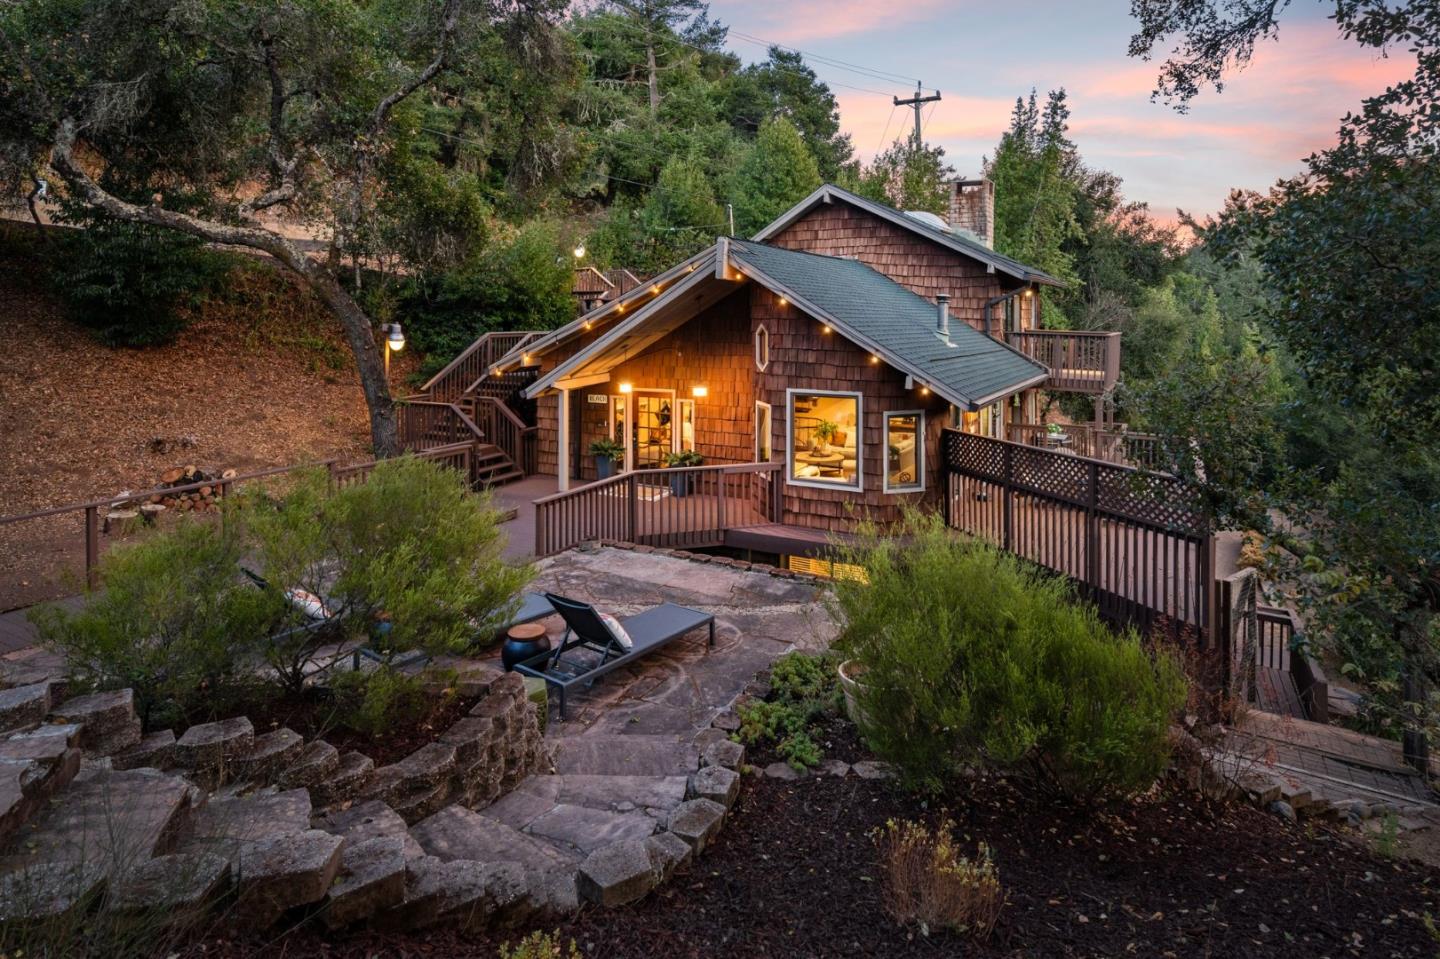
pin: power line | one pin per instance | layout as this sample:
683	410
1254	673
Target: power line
886	131
831	61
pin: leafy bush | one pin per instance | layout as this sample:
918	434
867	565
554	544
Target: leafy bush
376	701
928	881
132	283
803	693
972	656
173	622
540	945
409	556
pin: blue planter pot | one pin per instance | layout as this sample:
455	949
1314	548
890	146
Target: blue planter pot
680	484
604	467
517	650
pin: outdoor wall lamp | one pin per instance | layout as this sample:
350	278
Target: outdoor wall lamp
394	342
700	392
626	387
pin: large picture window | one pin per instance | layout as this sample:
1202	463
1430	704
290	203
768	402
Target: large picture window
904	451
824	439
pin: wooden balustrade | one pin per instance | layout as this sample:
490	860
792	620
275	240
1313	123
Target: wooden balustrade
1119	446
1079	361
424	424
1280	646
499	424
681	507
1135	543
475	363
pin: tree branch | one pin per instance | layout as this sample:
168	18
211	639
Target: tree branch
282	168
449	22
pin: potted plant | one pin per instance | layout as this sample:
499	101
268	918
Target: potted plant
825	432
680	483
606	451
850	672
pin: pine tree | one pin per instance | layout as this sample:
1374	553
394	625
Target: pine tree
778	173
908	176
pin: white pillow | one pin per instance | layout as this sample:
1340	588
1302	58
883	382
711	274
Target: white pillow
308	603
613	624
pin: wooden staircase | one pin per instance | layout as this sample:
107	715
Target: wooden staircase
473	401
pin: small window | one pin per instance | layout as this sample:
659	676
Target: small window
762	432
762	348
824	439
904	451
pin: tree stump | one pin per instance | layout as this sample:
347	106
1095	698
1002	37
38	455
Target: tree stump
121	522
150	513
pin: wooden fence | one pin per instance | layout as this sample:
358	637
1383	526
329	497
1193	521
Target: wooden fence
82	522
1135	543
681	508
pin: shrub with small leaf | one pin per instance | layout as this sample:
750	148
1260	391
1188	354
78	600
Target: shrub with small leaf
804	692
930	883
540	945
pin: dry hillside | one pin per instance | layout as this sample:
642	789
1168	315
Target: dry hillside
260	378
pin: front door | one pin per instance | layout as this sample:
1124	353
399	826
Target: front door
654	429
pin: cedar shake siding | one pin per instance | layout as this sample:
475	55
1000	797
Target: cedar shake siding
927	268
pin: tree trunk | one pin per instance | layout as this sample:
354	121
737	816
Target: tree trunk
358	329
654	80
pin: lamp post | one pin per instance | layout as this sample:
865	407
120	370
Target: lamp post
394	343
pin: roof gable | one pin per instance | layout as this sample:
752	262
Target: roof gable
956	242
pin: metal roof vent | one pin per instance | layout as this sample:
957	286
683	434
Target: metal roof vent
942	316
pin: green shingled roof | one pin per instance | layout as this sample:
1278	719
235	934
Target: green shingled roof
881	314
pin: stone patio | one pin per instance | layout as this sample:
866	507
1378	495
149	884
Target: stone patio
490	823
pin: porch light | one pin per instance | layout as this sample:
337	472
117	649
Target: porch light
1029	291
626	387
874	359
826	329
924	391
655	288
783	301
587	324
700	392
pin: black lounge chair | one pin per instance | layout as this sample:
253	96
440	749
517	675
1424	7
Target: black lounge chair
584	629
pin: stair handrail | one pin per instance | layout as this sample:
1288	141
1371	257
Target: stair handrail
467	361
529	338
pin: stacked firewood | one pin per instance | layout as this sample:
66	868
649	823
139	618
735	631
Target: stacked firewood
171	494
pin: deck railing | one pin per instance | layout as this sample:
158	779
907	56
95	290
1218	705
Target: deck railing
1120	446
1133	542
425	424
474	363
1280	646
500	425
1081	362
681	507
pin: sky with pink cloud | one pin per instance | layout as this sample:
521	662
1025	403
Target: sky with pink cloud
982	55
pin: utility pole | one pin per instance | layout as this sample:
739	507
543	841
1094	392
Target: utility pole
915	103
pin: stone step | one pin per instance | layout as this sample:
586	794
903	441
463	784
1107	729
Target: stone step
348	780
537	795
459	833
584	830
24	706
111	819
598	755
230	820
155	751
369	820
316	762
34	766
108	720
271	753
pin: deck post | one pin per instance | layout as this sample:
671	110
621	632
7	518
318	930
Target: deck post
1007	494
562	455
92	545
1092	525
632	497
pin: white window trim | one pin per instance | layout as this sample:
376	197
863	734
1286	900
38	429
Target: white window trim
859	485
919	485
758	364
770	423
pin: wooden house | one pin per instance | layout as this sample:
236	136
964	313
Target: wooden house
828	352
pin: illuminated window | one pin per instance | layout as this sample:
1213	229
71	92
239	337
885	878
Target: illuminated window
762	432
904	451
827	568
762	348
824	439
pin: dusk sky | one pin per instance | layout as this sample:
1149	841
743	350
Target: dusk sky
982	55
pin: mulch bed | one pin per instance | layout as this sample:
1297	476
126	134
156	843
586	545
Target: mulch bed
316	715
795	873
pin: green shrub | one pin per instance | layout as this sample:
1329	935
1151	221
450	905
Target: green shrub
131	283
409	556
408	560
173	621
376	701
540	945
973	657
803	693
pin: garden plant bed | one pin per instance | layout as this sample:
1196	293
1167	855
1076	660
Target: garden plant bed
796	873
315	714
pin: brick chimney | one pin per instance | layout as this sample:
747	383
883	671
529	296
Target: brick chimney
972	207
